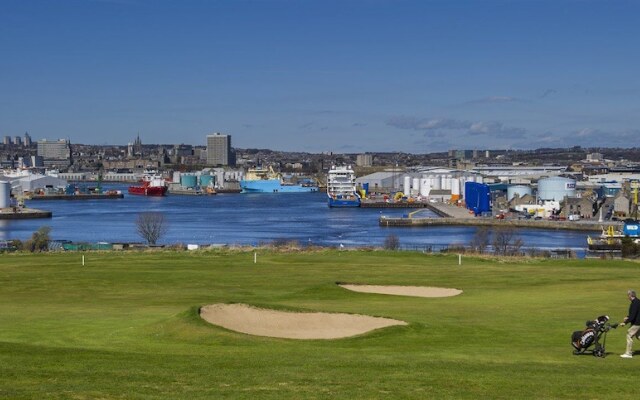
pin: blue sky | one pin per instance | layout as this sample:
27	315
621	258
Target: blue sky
319	76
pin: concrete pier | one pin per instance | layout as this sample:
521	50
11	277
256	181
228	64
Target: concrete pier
82	196
451	215
396	204
23	213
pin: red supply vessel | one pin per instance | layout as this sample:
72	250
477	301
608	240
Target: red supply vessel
151	185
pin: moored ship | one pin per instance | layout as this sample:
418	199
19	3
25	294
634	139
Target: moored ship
611	239
260	180
151	185
341	187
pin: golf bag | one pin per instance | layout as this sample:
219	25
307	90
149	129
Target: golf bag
594	335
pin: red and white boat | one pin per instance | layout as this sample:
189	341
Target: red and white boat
151	185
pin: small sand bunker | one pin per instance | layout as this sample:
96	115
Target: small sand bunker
416	291
290	325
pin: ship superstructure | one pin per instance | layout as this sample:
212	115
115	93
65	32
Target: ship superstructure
341	187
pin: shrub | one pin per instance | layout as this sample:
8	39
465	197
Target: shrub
151	226
391	242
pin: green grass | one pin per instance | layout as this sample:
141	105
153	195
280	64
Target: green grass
126	326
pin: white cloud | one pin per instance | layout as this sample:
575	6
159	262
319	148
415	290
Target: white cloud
430	125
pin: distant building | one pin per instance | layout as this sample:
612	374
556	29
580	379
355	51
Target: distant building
382	182
37	161
581	206
54	150
219	150
7	140
27	139
134	149
458	157
33	182
595	157
182	153
17	141
461	154
621	206
55	153
364	160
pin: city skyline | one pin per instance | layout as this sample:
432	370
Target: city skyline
352	77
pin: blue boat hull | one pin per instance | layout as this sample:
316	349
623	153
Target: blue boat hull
273	186
337	202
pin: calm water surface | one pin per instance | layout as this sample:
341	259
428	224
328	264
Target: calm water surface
251	219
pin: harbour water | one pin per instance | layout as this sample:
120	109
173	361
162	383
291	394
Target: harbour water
253	219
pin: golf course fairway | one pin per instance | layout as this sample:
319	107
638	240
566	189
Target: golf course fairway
126	325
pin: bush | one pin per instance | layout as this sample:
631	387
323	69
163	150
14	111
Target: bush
480	240
629	248
17	244
285	243
151	226
506	242
455	249
392	242
39	240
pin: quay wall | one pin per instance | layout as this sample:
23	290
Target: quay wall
77	196
25	213
492	222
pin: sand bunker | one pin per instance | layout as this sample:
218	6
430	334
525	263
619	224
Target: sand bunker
416	291
290	325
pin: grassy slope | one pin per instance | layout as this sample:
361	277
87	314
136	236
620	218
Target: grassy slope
126	326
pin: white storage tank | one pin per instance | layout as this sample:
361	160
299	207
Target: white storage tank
415	186
462	181
425	186
406	189
556	187
436	183
455	187
5	194
520	190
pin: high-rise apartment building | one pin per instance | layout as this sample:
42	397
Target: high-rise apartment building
17	141
364	160
54	149
27	139
219	150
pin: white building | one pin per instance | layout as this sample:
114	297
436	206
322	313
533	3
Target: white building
32	182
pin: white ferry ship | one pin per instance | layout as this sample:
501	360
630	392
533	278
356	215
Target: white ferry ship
341	187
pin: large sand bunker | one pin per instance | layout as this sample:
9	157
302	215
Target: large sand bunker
291	325
416	291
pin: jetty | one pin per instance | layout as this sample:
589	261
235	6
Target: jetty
450	215
365	203
186	192
79	196
23	213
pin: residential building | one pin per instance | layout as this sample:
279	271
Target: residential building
621	206
581	206
364	160
219	150
54	150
